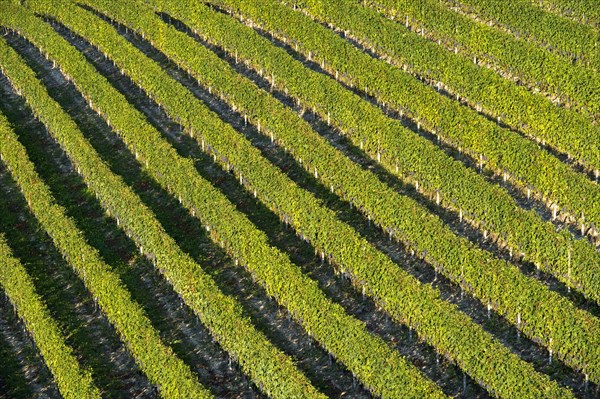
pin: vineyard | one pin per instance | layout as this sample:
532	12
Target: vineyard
299	199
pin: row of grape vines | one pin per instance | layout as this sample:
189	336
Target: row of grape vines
524	62
292	214
505	152
229	157
583	11
413	232
295	205
94	340
548	176
458	270
156	359
523	19
549	319
72	381
516	316
374	362
572	261
563	130
257	356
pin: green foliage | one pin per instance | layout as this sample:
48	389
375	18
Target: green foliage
524	61
377	364
583	11
567	131
344	246
523	19
504	151
72	381
267	365
169	373
548	318
574	262
494	282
